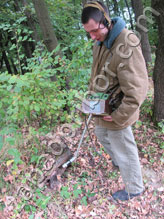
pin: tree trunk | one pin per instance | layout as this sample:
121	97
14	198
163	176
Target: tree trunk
130	16
57	168
14	67
47	29
4	57
28	46
57	154
30	21
158	75
84	2
138	10
107	4
116	8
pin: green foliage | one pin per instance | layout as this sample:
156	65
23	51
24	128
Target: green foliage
31	97
153	36
161	126
34	156
147	106
113	174
68	26
153	28
39	202
40	199
16	154
65	193
84	200
162	146
34	98
1	142
78	191
80	64
31	216
20	96
15	35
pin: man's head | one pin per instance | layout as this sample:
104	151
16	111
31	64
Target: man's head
96	21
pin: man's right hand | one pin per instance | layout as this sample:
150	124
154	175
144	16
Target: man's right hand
107	118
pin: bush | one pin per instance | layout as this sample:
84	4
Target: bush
34	99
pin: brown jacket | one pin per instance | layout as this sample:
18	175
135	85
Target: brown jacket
123	64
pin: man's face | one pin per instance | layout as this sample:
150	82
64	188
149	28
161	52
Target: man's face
96	30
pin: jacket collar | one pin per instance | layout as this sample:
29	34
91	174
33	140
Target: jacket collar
118	26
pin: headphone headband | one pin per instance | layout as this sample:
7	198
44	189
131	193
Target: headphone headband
98	6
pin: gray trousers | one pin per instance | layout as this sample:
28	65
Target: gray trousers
121	147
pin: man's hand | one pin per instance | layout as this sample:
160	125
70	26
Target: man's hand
107	118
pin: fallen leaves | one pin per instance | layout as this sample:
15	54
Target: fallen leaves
83	211
94	174
2	216
144	161
9	178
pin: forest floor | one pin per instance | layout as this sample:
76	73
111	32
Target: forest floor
85	188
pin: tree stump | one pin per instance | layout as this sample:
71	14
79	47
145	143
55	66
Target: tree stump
57	169
56	155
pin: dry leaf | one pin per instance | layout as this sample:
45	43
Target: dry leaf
9	178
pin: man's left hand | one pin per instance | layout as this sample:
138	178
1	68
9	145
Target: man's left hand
107	118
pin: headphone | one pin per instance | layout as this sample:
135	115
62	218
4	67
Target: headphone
107	20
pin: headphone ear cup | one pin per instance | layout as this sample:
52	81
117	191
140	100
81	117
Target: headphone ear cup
105	22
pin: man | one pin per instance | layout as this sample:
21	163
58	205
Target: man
117	63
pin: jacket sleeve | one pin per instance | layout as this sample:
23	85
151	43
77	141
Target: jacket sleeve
133	79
